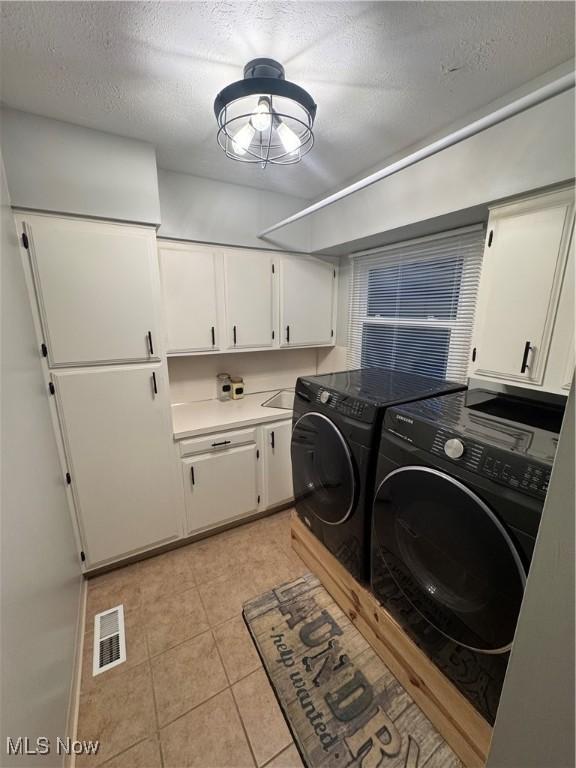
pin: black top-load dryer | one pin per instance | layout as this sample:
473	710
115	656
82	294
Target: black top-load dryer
460	487
336	429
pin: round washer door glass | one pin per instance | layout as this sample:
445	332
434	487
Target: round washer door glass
450	556
322	468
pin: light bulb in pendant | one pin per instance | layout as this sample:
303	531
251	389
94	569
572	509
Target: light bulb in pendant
261	116
289	139
243	138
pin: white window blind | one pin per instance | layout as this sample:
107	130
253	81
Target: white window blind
412	304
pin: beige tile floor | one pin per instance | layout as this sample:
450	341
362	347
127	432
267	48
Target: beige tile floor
192	691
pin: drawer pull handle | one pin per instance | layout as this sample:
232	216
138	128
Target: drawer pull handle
527	348
272	439
154	383
213	336
234	333
222	442
150	344
192	475
287	334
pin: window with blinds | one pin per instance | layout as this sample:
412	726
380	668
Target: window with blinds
412	304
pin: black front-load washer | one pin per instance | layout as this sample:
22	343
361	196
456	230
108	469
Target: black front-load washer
336	429
461	482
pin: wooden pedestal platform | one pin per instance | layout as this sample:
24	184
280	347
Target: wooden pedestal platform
455	718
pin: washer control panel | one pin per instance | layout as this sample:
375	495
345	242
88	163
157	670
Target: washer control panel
348	406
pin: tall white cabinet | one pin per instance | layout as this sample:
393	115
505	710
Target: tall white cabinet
95	295
96	287
523	332
116	429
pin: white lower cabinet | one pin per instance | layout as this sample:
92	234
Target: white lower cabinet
117	435
277	464
220	486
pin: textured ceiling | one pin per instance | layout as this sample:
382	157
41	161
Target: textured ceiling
385	75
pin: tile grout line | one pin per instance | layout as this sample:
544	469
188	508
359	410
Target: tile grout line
154	702
231	689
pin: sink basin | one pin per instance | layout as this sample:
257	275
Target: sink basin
283	399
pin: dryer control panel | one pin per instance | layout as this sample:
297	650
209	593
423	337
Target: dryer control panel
502	466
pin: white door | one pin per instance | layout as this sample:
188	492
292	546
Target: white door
96	285
189	298
249	301
306	301
220	486
118	439
521	275
277	465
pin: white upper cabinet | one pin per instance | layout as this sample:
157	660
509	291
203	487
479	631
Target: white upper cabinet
249	299
307	290
96	285
118	441
523	272
188	275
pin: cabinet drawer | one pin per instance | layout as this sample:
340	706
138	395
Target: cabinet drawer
217	442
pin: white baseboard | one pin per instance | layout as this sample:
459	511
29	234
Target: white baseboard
74	703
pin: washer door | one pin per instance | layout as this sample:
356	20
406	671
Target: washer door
450	556
323	470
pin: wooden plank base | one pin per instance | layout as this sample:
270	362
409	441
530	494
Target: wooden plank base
451	713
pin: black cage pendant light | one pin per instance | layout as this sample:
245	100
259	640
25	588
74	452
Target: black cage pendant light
264	118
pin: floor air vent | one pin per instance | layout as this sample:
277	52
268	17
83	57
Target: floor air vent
109	640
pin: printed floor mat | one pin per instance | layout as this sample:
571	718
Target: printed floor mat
343	705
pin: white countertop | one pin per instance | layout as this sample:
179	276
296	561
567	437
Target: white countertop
205	416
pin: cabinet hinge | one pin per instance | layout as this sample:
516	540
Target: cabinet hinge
490	238
25	240
82	556
257	454
44	349
51	388
474	354
68	478
258	499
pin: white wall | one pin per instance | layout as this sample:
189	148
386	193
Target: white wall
193	208
532	150
40	572
535	722
64	168
194	378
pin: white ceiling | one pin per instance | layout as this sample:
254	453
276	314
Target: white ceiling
385	75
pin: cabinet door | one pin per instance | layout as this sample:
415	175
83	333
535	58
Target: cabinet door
306	301
249	303
189	299
119	448
521	274
277	463
220	486
96	285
